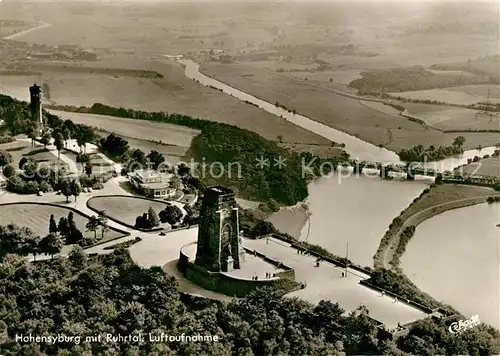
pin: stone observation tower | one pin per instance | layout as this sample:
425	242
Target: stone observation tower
36	106
219	248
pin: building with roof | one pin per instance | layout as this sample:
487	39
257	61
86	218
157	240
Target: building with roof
154	184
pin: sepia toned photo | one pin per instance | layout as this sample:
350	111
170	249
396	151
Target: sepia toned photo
280	177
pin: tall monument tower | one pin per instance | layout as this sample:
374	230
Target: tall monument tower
36	106
219	247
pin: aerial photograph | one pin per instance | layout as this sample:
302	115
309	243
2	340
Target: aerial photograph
249	177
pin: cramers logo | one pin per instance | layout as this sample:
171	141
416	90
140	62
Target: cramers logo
462	325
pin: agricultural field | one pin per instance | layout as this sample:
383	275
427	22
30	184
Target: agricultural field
10	27
140	129
285	65
486	167
124	209
346	114
452	95
453	118
343	77
381	107
20	149
481	91
173	93
36	217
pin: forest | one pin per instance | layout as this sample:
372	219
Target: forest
412	79
76	296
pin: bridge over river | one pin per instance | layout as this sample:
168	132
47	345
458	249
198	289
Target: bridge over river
415	169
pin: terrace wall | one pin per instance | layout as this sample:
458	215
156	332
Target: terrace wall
232	286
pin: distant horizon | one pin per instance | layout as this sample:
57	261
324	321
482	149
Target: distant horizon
66	2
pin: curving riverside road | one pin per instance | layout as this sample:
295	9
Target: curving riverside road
419	217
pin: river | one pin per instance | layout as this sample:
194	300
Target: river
356	147
461	265
462	260
355	210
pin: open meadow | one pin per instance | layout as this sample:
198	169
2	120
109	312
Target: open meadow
124	209
36	217
20	149
10	27
141	129
172	154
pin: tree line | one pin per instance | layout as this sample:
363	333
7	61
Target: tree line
421	154
412	79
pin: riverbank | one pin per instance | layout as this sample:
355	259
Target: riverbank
290	220
433	201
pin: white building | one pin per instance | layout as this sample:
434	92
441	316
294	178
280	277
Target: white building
154	184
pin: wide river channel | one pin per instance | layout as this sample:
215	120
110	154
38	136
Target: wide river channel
453	256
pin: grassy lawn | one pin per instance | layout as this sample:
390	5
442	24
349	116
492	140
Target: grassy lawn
124	209
444	193
36	217
172	153
146	130
19	149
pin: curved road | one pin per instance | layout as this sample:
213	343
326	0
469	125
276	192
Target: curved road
22	33
417	218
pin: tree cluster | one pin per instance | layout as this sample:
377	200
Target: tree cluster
5	158
147	220
76	297
23	241
171	214
94	223
70	187
33	178
67	229
421	154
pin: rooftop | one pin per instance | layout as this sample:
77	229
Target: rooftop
220	190
162	185
144	174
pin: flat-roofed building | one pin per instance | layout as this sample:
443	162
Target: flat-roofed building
154	184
